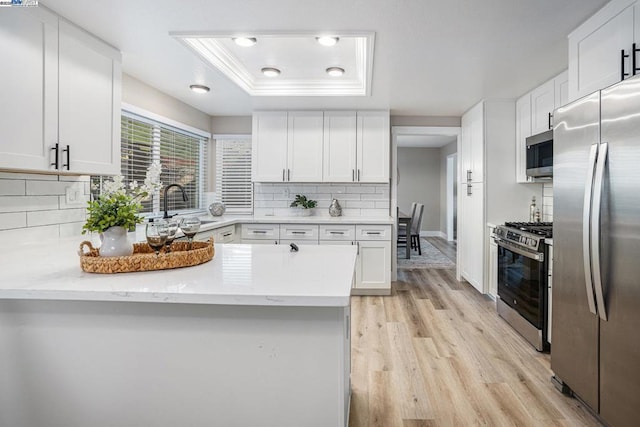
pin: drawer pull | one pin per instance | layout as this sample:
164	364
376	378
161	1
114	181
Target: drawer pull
298	232
375	233
337	232
227	234
258	231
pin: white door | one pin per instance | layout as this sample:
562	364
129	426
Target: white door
595	49
373	265
269	146
304	150
339	156
472	147
29	88
471	236
89	103
523	131
373	146
543	99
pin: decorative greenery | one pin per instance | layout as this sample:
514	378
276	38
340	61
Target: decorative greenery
118	205
303	202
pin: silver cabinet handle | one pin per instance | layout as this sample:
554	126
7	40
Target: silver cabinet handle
336	232
353	175
469	193
595	230
298	232
358	175
259	232
288	174
283	175
377	233
468	175
358	248
586	235
227	234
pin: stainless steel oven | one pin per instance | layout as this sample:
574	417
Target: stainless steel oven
522	279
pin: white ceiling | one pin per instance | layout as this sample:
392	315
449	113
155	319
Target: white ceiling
432	57
424	141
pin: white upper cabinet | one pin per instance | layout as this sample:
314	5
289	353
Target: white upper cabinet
561	86
316	146
373	146
601	49
523	131
29	87
542	105
269	146
472	146
89	103
304	148
61	88
339	146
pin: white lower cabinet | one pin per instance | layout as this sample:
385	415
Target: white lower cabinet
250	232
373	265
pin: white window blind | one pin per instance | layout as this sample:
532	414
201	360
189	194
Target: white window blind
182	154
233	174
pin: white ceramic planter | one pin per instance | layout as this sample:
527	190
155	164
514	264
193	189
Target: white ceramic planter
115	242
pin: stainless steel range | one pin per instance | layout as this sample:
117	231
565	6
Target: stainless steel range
522	278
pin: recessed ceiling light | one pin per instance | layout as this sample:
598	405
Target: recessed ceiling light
199	88
327	40
335	71
270	71
245	41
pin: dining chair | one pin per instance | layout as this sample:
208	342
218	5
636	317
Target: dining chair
416	225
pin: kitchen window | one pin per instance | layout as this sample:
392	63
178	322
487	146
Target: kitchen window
180	149
233	173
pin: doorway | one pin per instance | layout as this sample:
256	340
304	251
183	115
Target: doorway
424	163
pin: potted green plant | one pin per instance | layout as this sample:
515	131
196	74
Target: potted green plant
302	205
115	211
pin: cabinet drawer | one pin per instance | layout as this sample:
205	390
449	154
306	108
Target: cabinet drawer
298	232
373	232
225	234
337	232
260	231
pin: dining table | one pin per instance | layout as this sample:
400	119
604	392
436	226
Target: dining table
404	220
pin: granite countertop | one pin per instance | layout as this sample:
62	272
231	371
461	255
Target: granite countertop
237	275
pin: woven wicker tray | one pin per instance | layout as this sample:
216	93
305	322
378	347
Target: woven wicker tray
145	259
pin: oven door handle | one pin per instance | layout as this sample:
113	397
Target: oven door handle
513	248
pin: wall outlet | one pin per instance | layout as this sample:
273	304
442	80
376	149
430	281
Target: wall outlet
73	195
285	192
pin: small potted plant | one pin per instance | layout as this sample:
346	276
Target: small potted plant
115	211
302	205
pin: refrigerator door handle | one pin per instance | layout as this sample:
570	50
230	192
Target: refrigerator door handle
586	230
595	230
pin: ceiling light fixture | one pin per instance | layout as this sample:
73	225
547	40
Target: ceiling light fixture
335	71
327	40
270	71
199	88
245	41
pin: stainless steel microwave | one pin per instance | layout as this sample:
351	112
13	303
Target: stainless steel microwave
540	155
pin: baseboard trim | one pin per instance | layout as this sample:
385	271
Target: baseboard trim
433	234
358	292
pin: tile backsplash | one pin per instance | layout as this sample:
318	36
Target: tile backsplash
35	206
547	202
355	199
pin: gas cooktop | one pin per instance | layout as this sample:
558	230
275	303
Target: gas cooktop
544	229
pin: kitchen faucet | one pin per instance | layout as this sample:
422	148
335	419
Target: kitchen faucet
184	198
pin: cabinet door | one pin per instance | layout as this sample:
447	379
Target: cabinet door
269	146
595	49
543	99
373	146
89	103
472	149
28	128
523	131
561	88
373	265
339	153
304	150
471	235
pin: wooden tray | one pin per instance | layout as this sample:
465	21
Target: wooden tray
145	259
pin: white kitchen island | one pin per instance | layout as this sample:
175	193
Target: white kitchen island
259	336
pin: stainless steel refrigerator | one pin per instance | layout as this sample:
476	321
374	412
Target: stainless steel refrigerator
596	263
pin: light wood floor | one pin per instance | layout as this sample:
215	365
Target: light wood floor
435	353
